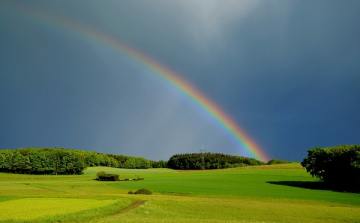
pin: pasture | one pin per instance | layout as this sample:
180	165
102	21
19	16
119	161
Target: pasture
277	193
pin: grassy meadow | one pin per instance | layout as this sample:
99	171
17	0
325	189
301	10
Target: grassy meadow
276	193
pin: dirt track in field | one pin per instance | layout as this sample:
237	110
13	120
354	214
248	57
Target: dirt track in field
129	208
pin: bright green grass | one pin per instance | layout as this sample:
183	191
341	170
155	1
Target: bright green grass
233	195
263	183
183	209
34	208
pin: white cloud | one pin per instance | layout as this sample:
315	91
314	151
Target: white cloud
207	20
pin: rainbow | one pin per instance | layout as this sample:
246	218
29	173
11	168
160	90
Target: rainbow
240	138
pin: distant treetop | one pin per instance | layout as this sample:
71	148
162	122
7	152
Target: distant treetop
277	161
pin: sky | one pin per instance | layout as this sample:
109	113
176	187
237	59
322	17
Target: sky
286	72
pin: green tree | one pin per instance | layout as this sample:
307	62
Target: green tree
337	166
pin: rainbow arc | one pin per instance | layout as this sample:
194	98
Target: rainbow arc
241	139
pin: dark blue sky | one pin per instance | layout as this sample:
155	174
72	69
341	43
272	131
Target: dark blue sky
287	72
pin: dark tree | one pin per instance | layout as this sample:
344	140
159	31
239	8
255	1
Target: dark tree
338	166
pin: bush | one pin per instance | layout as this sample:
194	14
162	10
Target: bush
100	173
338	166
130	192
143	191
277	161
102	176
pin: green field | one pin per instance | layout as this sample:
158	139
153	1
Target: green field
277	193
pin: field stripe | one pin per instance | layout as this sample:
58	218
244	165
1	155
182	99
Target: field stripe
134	205
43	178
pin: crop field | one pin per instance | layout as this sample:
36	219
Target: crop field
276	193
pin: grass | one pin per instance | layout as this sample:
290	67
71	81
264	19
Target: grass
35	208
251	194
252	182
235	210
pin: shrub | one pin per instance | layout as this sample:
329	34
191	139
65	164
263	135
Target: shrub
101	173
143	191
102	176
130	192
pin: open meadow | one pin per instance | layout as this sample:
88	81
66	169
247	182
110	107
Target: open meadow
276	193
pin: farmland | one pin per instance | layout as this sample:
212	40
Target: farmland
277	193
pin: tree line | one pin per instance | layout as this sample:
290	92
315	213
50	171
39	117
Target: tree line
193	161
42	161
338	166
65	161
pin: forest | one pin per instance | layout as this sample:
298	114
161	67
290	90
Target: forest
54	161
193	161
60	161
